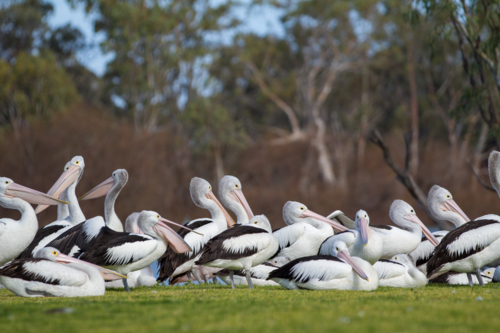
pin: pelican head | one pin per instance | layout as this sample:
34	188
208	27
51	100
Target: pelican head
203	197
73	172
443	207
403	259
362	222
279	261
294	212
494	170
152	224
231	195
53	254
339	250
131	223
10	190
117	181
261	221
402	214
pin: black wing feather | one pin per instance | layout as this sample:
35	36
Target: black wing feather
40	234
285	271
15	269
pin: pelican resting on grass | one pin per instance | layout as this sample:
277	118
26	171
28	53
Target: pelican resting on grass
52	273
399	272
338	271
16	236
258	274
362	242
241	247
305	231
456	278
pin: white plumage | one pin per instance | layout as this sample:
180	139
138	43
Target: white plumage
399	272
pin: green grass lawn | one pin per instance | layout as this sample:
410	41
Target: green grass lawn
217	308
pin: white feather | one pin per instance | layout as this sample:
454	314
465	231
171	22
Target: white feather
119	255
475	238
92	227
321	270
244	242
288	235
52	271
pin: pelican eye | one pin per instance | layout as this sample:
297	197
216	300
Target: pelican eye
236	186
7	182
77	162
54	253
337	248
395	258
210	188
157	216
448	196
366	216
411	211
489	273
66	168
255	222
114	174
302	208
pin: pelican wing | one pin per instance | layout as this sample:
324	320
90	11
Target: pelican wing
171	260
43	233
388	269
322	268
45	271
288	235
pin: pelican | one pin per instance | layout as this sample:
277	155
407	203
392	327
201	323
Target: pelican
67	215
111	188
338	271
399	272
258	274
127	252
172	264
456	278
474	244
407	237
16	236
52	273
305	231
241	248
143	277
442	207
231	195
362	242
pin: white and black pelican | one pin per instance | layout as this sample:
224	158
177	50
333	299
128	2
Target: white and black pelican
172	264
52	273
231	195
143	277
362	242
443	207
241	247
16	236
474	244
456	278
338	271
67	215
110	188
305	231
399	272
127	252
406	237
258	274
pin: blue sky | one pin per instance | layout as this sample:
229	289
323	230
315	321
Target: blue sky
261	20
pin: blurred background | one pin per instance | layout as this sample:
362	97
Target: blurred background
286	95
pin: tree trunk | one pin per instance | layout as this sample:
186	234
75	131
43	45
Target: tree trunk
414	109
324	161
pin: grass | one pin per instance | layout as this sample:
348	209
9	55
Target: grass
216	308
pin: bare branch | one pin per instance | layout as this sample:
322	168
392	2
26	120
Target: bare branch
480	181
404	177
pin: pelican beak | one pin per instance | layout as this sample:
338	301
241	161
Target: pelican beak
32	196
336	226
451	206
344	255
173	239
238	196
100	190
363	229
229	219
107	274
427	233
67	178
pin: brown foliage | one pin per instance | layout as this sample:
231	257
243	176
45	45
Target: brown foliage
161	165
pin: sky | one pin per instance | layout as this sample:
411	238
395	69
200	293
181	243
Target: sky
261	20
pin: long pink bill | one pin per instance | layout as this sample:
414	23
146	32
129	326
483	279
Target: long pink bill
107	274
67	178
173	239
238	196
336	226
363	229
32	196
344	255
414	218
229	219
451	205
100	190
